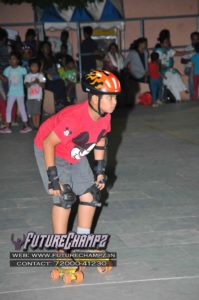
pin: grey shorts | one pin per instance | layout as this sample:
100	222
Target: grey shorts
33	107
79	176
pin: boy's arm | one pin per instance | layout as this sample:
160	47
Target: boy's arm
99	156
49	144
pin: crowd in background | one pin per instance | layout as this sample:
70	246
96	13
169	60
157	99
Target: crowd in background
28	67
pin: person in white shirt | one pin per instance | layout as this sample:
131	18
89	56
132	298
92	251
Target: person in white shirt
113	60
34	82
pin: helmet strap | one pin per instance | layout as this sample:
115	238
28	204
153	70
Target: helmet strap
98	111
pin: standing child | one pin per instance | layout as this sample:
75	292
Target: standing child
14	74
62	143
195	67
155	78
34	81
69	74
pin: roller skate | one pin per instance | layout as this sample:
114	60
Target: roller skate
68	273
103	267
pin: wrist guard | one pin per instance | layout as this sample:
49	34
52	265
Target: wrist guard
99	167
53	178
68	197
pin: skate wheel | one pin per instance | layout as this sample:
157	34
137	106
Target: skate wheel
104	269
79	277
67	279
54	274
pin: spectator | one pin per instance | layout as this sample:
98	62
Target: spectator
26	56
14	75
63	54
89	48
166	53
186	60
53	81
4	59
113	60
173	79
155	78
30	41
137	60
195	67
34	82
65	41
69	74
164	34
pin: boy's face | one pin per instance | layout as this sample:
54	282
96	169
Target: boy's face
108	103
34	68
70	66
14	61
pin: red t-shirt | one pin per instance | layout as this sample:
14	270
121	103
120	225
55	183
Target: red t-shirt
76	130
154	71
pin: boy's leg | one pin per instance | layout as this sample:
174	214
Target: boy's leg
85	214
60	218
83	179
59	215
36	120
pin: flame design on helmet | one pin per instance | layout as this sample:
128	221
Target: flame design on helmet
101	82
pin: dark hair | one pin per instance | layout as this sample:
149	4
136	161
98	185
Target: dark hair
64	33
34	61
111	45
30	32
135	45
3	34
88	30
194	33
43	44
64	46
16	54
164	34
154	56
162	39
69	60
196	47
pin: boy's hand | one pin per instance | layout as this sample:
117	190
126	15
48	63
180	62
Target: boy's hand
100	182
36	80
56	193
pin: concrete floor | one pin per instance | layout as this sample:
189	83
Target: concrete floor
152	212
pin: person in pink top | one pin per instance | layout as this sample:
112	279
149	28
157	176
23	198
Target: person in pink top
61	146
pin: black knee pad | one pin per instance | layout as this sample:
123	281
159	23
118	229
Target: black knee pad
96	193
67	198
